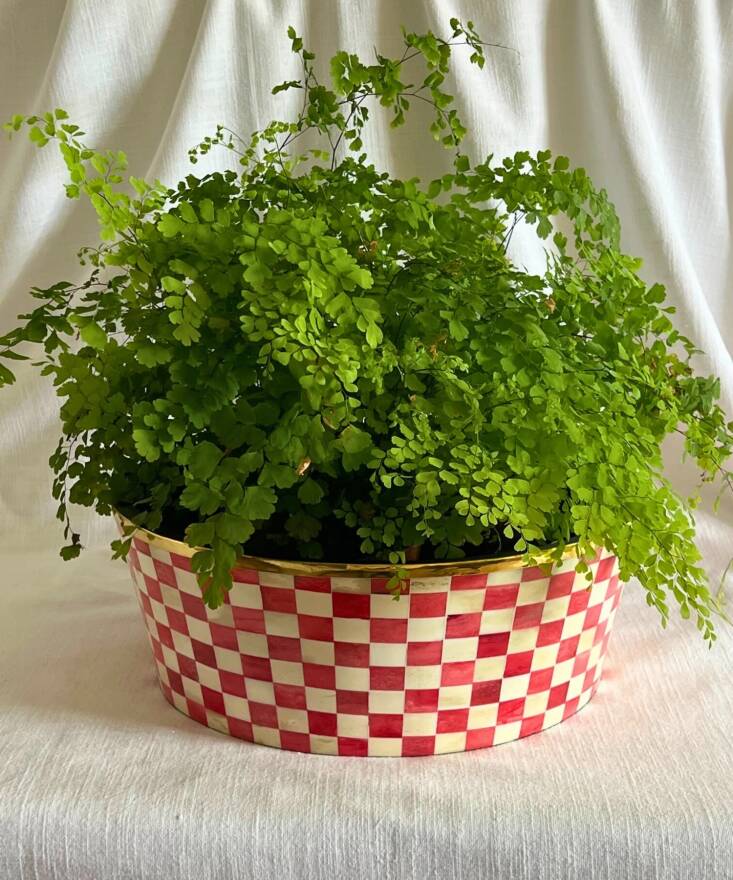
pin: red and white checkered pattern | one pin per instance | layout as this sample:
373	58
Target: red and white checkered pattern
334	665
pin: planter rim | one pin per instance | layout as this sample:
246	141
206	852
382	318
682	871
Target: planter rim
367	569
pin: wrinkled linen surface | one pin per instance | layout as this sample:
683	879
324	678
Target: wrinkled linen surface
99	777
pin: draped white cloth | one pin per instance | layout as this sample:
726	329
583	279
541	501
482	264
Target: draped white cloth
99	778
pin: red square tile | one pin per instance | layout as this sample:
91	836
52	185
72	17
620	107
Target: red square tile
424	653
141	546
196	711
581	663
245	576
518	664
561	585
193	606
240	729
600	632
232	683
550	633
510	710
279	599
531	725
133	560
385	725
204	653
352	702
422	700
152	588
349	654
317	675
591	616
493	644
319	629
501	596
213	699
540	680
313	584
165	573
284	648
295	742
256	667
568	648
480	739
387	678
452	720
527	616
175	682
459	626
605	568
428	604
416	746
485	692
188	667
387	629
182	563
177	620
461	672
535	573
353	747
379	586
557	695
249	619
590	676
351	605
145	602
322	723
262	714
571	707
289	696
578	601
157	650
467	581
224	636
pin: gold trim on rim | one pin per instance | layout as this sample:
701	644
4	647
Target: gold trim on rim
328	569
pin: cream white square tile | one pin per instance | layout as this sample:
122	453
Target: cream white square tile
497	620
275	579
422	677
420	724
482	716
236	707
446	743
507	732
350	629
278	623
456	696
456	650
320	699
514	687
260	691
254	644
317	652
352	678
356	726
287	672
388	654
466	601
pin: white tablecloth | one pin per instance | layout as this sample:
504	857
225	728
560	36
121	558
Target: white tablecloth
100	779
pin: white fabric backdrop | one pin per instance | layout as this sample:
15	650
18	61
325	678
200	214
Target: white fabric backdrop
638	92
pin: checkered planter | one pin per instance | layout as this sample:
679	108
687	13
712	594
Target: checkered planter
331	664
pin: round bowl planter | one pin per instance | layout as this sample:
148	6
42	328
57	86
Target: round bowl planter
322	659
